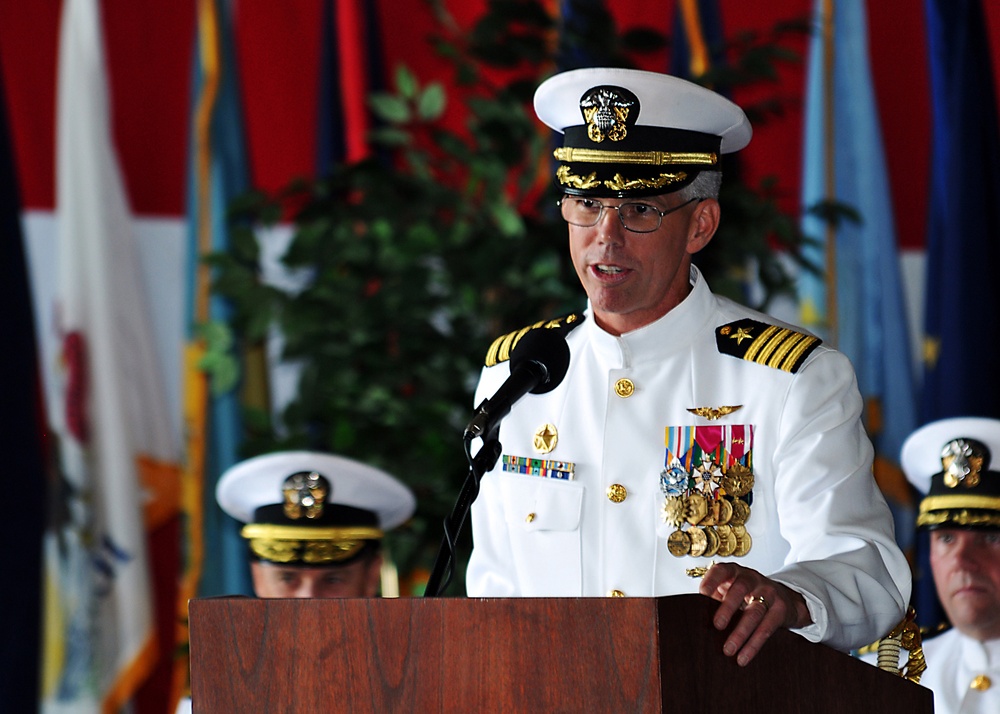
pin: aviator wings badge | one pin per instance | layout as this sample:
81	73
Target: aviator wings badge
713	413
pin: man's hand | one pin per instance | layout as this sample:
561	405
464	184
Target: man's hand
766	605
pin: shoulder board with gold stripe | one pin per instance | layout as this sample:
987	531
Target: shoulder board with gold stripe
501	348
769	345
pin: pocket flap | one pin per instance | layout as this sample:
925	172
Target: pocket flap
541	504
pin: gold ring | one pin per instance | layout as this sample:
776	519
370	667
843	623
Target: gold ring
760	599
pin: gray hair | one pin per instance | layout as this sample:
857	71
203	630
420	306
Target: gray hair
705	185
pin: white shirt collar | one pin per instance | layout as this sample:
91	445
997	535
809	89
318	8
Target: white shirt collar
670	334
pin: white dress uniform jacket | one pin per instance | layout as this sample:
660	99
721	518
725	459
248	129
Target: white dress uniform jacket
817	520
963	673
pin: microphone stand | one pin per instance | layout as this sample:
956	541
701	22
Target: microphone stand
444	563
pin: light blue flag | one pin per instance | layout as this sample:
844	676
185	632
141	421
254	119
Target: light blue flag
864	316
224	568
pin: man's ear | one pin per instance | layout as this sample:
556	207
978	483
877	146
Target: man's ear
703	224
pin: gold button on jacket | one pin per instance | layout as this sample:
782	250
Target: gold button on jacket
624	387
617	493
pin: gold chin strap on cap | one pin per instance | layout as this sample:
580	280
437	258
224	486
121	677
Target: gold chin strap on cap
905	635
307	545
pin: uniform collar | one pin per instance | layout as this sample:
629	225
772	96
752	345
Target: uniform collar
978	657
672	333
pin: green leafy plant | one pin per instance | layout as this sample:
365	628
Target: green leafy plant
417	259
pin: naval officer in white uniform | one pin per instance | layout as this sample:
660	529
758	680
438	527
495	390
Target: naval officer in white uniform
314	523
688	430
950	461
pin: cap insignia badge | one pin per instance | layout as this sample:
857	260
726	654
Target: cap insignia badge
963	460
608	111
304	495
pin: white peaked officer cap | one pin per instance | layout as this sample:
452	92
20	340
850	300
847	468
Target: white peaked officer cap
949	461
312	508
629	132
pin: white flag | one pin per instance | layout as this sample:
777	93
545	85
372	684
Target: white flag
107	409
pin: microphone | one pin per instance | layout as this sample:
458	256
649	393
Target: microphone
537	365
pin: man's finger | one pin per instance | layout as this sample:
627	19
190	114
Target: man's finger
753	615
761	619
732	603
717	580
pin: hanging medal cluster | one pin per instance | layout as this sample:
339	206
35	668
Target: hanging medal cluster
707	484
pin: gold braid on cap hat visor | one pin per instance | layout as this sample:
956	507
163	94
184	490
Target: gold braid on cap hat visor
291	544
960	518
647	158
935	510
617	183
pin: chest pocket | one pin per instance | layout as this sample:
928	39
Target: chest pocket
533	504
543	523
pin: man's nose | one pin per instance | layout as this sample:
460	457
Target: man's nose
306	589
966	552
610	227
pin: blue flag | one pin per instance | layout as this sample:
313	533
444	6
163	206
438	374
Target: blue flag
962	303
856	300
214	557
219	173
214	553
963	238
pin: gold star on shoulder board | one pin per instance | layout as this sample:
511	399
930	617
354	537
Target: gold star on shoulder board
713	413
741	334
546	438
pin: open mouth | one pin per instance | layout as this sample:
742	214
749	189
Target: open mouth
608	269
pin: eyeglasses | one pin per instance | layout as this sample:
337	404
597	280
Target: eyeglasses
636	217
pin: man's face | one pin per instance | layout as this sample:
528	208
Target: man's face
966	567
357	579
633	279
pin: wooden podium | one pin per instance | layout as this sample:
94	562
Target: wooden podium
512	655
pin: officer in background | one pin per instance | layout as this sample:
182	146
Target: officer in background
689	430
314	522
950	461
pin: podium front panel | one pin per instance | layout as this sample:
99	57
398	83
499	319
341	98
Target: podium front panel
511	655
